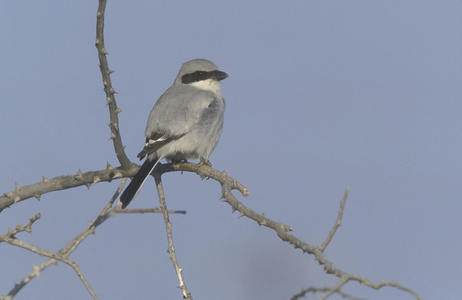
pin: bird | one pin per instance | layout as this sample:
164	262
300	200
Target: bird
186	122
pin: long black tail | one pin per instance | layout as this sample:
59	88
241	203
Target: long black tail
137	181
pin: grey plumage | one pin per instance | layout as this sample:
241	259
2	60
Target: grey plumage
185	123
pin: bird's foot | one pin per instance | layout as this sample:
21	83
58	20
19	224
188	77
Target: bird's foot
202	163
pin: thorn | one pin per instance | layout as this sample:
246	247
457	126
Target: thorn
79	175
262	222
109	100
112	91
109	72
112	136
16	199
45	180
233	210
109	167
224	173
96	179
37	196
16	186
104	51
88	185
241	214
113	126
117	174
9	195
118	110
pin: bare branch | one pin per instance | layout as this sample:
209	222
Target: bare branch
337	223
145	210
36	271
92	177
66	250
282	230
323	290
61	183
108	89
171	247
10	239
343	280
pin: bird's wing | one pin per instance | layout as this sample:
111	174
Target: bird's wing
156	141
175	116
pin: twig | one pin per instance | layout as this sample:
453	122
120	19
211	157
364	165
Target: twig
337	223
36	271
108	89
343	280
58	256
73	244
282	230
66	250
146	210
323	290
171	247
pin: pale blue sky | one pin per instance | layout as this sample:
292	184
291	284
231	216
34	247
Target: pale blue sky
321	95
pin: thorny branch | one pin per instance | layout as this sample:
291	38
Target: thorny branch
171	246
323	290
64	253
110	98
128	169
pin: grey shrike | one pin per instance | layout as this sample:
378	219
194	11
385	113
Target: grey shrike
186	122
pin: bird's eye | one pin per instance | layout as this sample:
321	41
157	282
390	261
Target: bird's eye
200	73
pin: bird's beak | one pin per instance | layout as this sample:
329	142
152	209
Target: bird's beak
219	75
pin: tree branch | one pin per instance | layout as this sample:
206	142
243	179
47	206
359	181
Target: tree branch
171	246
61	183
323	290
108	89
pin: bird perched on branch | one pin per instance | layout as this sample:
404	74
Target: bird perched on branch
185	123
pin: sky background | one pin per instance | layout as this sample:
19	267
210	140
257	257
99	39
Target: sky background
321	95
